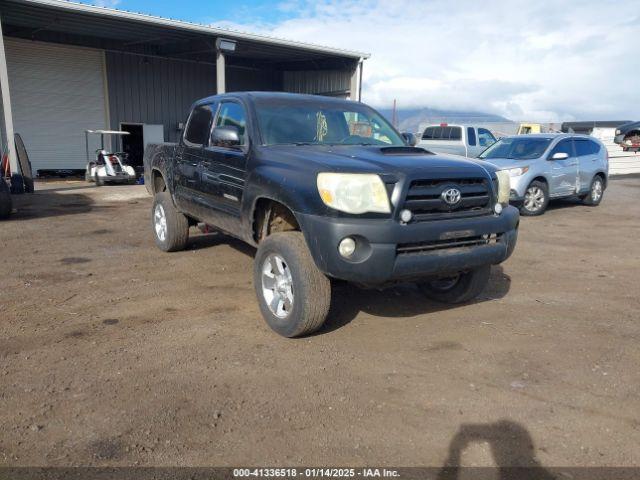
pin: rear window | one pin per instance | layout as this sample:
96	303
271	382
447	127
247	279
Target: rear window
197	131
586	147
442	133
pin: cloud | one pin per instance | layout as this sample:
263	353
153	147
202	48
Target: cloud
542	60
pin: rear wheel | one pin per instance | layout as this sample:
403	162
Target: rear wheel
170	227
536	199
596	192
294	296
5	200
459	288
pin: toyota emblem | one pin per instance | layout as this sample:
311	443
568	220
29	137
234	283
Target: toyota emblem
451	196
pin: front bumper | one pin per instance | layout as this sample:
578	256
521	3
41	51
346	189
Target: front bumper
381	258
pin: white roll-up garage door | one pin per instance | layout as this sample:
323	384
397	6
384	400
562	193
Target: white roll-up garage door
57	92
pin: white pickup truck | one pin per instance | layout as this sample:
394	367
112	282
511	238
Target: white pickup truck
465	140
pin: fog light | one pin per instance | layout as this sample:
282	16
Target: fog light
497	208
347	247
406	216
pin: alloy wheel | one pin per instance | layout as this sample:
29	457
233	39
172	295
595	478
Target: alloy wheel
534	199
596	190
160	222
277	285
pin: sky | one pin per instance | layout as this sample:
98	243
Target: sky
536	60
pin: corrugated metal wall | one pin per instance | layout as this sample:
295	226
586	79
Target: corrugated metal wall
160	91
155	90
317	81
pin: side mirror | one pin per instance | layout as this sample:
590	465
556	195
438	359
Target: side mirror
225	137
560	156
410	138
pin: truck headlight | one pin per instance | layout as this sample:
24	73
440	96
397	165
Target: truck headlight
618	132
504	186
516	172
353	192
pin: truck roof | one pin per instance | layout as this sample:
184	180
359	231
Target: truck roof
273	95
552	135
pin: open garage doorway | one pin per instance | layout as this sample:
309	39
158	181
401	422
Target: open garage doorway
140	135
133	144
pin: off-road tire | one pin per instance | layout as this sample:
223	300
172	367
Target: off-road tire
99	180
5	200
588	199
311	288
545	190
468	286
177	224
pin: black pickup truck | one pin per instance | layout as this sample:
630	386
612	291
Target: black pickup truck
328	189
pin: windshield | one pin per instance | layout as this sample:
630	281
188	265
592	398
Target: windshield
517	148
322	123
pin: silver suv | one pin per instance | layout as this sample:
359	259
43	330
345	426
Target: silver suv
548	166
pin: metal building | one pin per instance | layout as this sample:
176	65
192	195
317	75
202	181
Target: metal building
67	67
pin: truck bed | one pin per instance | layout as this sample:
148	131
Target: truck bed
157	156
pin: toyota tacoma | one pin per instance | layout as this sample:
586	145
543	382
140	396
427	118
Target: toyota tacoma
327	189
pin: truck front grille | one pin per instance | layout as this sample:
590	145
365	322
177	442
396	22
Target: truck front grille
425	247
424	198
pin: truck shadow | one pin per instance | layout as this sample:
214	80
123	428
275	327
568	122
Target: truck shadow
348	300
49	203
511	447
402	300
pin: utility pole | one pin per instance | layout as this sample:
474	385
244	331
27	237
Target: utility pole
394	115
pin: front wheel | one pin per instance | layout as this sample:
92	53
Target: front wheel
596	192
459	288
536	199
293	294
170	227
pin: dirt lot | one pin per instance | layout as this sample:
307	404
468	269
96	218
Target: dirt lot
114	353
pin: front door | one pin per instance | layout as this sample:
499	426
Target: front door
224	169
188	160
485	140
564	172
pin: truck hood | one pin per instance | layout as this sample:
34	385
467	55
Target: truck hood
376	159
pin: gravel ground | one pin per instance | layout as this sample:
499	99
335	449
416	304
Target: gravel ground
114	353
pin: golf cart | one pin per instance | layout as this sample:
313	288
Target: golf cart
107	167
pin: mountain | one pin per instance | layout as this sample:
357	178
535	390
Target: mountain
414	119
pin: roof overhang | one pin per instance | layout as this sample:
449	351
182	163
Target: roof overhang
71	22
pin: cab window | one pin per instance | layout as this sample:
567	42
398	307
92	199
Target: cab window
485	137
442	133
471	136
197	130
232	114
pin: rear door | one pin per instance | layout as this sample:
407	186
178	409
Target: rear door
588	153
224	169
472	142
188	159
564	173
